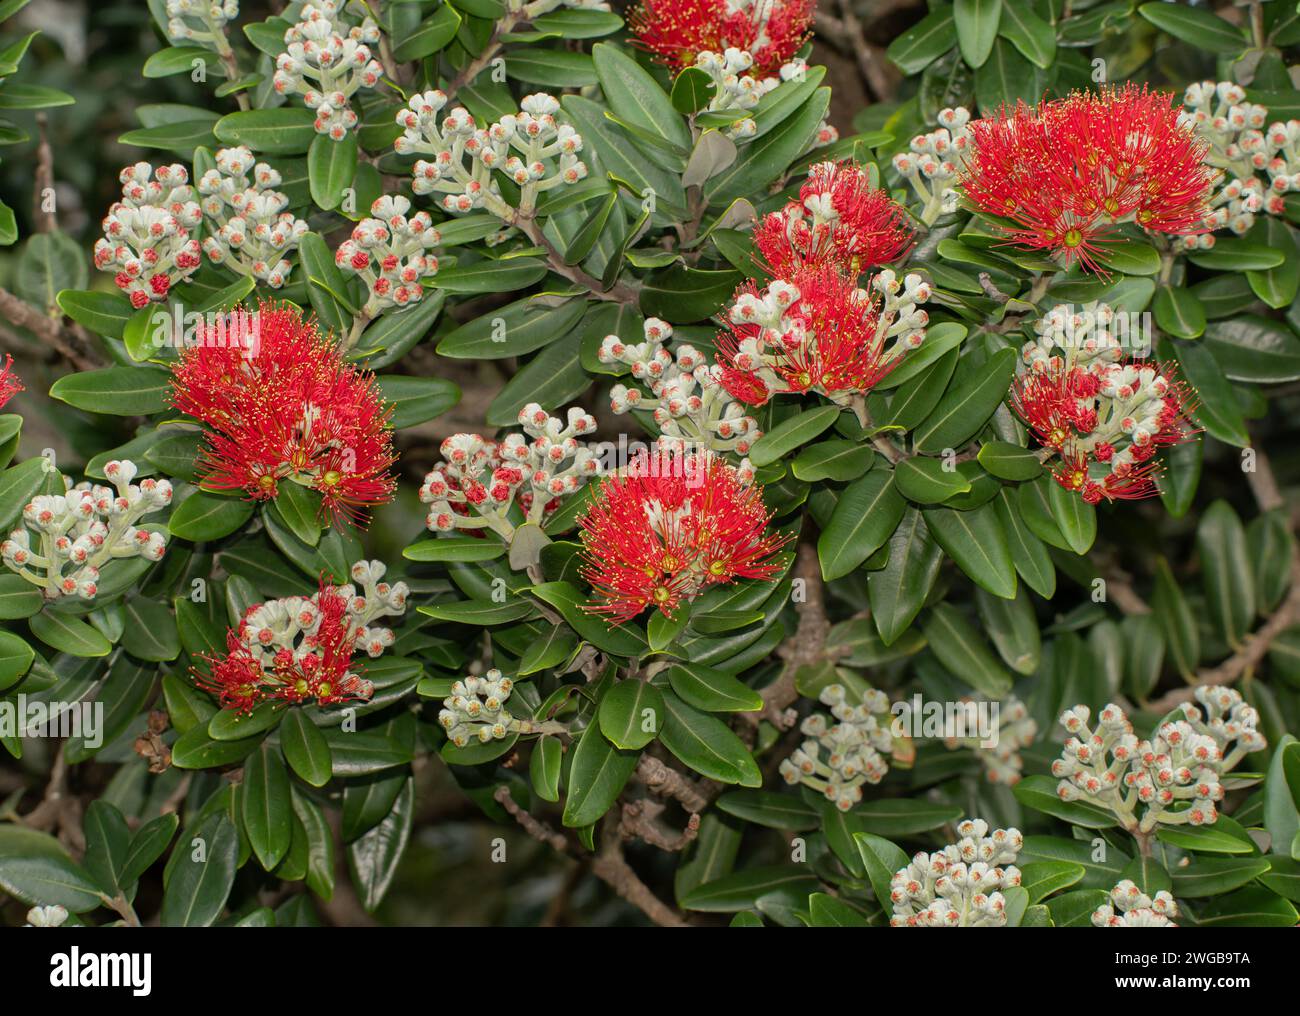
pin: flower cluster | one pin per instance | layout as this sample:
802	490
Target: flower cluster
250	231
78	532
390	252
1136	909
299	649
677	31
1001	759
1103	413
10	383
734	89
1063	175
532	148
959	886
1242	144
837	759
480	481
1174	778
476	711
933	161
690	406
670	526
46	917
327	60
289	409
817	331
146	241
200	21
840	219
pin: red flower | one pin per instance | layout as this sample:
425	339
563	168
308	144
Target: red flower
1067	172
281	404
672	525
10	384
677	31
817	332
840	219
1106	422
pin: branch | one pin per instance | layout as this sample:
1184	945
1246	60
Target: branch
533	826
867	55
611	867
46	328
668	782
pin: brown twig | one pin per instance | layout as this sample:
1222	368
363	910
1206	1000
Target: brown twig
612	868
46	220
865	54
532	825
668	782
46	328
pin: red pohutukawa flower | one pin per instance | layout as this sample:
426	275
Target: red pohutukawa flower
677	31
1103	413
818	332
281	404
840	220
10	385
673	524
1069	171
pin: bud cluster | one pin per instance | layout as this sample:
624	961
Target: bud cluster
476	711
201	22
1242	145
1104	414
146	241
1001	760
78	532
837	759
690	406
531	147
327	59
735	89
249	229
299	649
1135	909
934	161
390	252
959	886
1172	779
479	481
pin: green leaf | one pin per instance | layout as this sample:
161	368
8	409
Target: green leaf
35	868
148	844
966	407
707	745
1076	519
636	98
1013	627
150	632
1039	793
455	548
544	767
712	690
623	640
107	842
924	42
596	777
976	22
865	516
792	433
1007	461
961	650
836	459
765	157
1034	37
1252	907
266	806
194	749
515	329
928	481
1042	878
831	912
373	859
693	90
115	391
417	400
299	508
1199	27
203	874
16	657
976	541
305	748
1224	837
1175	616
103	313
482	612
1282	795
69	634
740	890
330	167
899	590
1179	312
1250	348
631	713
432	35
1229	578
289	130
203	517
1214	876
903	816
1075	910
774	811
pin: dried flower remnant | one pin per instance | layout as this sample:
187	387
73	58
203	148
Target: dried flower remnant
677	31
1130	907
1172	779
531	147
1103	413
960	885
327	59
390	252
840	219
147	242
476	711
669	527
480	483
818	332
299	649
65	540
1063	175
837	759
691	407
288	409
250	231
